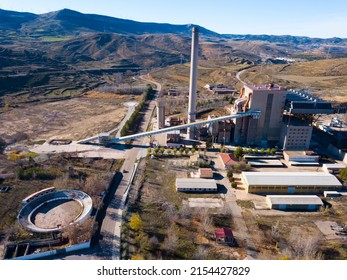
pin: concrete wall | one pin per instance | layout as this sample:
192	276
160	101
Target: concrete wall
296	137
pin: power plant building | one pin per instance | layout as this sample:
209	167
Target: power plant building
270	100
295	135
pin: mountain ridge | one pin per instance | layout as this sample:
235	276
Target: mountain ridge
66	21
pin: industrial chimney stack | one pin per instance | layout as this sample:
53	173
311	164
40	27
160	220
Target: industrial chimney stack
193	80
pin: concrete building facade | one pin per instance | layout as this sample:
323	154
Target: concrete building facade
270	100
295	134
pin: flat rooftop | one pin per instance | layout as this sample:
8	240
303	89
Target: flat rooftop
299	153
295	199
265	162
196	183
334	165
290	179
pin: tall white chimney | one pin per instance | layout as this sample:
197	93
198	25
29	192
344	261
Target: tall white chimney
193	80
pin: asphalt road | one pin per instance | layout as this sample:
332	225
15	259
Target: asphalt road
108	247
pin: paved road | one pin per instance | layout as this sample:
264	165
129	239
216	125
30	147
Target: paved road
240	230
111	226
109	244
238	74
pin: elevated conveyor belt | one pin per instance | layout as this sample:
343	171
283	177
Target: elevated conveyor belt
254	114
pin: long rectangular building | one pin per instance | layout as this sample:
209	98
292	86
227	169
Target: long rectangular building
195	185
289	182
294	202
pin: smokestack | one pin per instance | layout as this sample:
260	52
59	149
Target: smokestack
193	79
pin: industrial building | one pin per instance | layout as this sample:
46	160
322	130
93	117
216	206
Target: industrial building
274	127
295	134
289	182
333	167
301	158
270	100
294	202
195	185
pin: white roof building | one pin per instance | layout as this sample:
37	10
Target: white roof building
289	182
294	202
195	185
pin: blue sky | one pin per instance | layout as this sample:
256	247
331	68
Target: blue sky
314	18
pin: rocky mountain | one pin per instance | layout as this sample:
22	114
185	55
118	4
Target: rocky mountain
67	39
67	22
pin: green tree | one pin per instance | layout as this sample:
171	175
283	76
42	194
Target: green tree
149	151
162	150
234	185
156	150
255	151
230	174
273	151
186	151
268	151
262	151
181	150
238	153
193	151
175	151
343	174
169	151
135	222
209	143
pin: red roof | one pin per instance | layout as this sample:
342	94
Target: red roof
223	232
206	172
228	159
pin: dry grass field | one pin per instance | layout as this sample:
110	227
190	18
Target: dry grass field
325	78
73	119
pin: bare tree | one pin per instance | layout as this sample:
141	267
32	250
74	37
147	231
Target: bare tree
275	231
205	221
61	182
78	233
171	240
200	253
97	183
303	248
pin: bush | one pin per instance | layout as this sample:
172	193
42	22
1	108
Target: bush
34	173
238	153
343	174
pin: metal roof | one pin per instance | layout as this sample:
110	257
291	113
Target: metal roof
294	199
196	183
290	179
334	165
223	232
